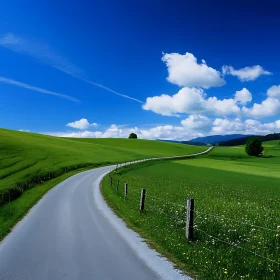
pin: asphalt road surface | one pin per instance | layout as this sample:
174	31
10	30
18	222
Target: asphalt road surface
72	234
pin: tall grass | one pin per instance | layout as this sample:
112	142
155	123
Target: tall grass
237	217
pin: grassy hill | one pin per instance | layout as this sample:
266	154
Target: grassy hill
31	164
27	159
237	218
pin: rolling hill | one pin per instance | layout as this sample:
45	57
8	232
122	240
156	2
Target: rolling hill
31	164
27	159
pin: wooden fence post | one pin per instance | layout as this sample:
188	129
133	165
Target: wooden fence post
111	180
189	222
125	191
117	186
142	200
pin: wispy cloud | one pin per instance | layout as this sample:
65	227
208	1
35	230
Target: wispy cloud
41	90
38	51
43	53
110	90
247	73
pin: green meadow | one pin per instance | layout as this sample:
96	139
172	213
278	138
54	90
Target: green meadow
30	164
236	218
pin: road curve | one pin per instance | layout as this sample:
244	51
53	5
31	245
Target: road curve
72	234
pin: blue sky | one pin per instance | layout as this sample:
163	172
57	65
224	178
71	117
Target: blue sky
163	69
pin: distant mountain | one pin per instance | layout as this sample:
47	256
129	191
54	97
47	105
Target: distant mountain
217	138
243	140
184	142
225	140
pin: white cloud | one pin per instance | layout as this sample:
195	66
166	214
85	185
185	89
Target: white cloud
190	101
79	134
163	132
41	90
195	101
119	131
82	124
246	73
222	107
197	123
223	126
186	100
243	96
193	126
43	53
274	92
249	126
269	107
185	71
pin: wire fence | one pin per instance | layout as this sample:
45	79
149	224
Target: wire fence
192	224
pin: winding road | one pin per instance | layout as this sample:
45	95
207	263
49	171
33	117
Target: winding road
72	234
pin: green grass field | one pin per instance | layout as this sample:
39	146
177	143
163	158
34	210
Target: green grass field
25	155
30	160
237	211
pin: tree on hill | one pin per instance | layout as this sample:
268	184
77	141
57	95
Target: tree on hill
132	136
254	146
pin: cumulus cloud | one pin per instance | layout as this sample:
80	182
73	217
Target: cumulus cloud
193	126
245	74
79	134
195	101
243	96
269	107
222	126
115	131
274	92
197	123
190	101
194	77
249	126
82	124
185	71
